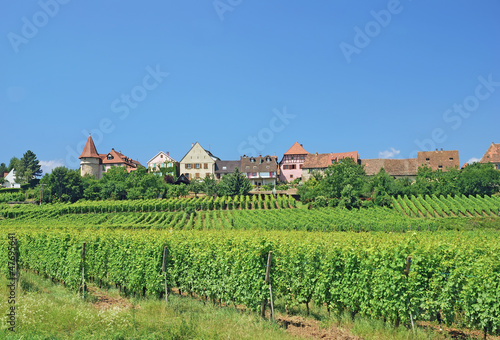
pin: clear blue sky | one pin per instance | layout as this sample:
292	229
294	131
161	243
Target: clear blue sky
385	78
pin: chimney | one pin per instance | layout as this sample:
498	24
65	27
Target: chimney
441	149
168	154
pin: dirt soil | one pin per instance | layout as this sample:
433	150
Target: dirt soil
308	328
105	301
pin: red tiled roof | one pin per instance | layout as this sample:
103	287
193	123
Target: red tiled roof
492	155
89	151
394	167
324	160
296	149
317	161
340	155
119	158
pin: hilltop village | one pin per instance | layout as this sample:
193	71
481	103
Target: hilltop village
296	163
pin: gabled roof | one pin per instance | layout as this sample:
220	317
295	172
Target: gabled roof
492	155
89	151
296	149
166	156
394	167
215	158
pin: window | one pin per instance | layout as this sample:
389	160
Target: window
427	159
247	167
161	156
205	166
271	173
440	166
224	168
254	174
197	166
162	165
187	176
197	175
188	166
252	160
285	167
300	166
109	157
292	166
451	158
301	157
498	166
207	174
292	158
291	176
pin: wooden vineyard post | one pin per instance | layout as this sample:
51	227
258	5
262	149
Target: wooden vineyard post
268	281
83	270
407	272
164	270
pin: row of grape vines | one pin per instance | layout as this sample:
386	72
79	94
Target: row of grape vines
262	202
321	219
457	206
454	274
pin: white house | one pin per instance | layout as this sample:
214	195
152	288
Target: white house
10	180
162	162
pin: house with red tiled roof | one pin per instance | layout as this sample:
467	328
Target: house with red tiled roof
492	155
95	164
291	163
317	163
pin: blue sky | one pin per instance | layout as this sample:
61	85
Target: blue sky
385	78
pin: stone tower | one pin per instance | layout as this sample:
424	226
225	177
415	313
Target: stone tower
90	162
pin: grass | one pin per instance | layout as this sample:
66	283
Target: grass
49	311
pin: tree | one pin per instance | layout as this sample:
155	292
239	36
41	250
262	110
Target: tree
479	179
13	163
209	186
3	168
64	185
28	169
234	183
195	186
339	175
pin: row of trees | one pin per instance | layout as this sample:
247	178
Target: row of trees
64	185
345	183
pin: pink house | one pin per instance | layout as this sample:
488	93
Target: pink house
291	164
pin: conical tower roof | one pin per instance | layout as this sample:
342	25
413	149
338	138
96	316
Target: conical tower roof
89	151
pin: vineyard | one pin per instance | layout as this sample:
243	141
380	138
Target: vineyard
346	260
454	274
433	206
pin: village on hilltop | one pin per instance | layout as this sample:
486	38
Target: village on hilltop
296	163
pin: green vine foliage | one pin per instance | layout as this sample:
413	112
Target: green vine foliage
454	273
